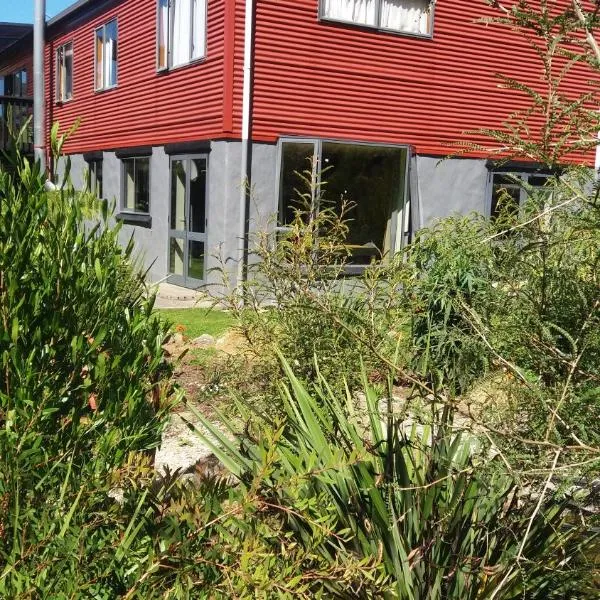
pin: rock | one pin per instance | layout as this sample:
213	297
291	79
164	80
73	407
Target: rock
204	341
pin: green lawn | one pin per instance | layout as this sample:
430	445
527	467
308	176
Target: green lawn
196	321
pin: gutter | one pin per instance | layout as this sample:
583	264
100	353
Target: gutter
245	175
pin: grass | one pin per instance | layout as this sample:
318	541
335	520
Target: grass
193	322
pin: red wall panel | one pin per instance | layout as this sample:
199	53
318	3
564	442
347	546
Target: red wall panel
323	79
146	108
311	78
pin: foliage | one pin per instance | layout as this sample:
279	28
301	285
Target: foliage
556	121
418	497
449	266
83	401
300	298
81	360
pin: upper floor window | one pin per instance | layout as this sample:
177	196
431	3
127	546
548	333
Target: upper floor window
181	32
407	16
14	84
106	55
64	72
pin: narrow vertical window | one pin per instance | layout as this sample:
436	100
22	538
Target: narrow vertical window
136	185
163	37
181	32
94	176
64	73
106	55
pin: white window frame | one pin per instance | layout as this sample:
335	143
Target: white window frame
166	29
103	87
377	26
61	91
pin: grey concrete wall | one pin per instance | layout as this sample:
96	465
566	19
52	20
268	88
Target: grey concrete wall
150	243
225	201
78	173
441	188
449	186
223	213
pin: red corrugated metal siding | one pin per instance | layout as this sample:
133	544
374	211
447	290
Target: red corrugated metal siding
322	79
147	108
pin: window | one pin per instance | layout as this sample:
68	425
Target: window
106	56
14	84
510	190
94	176
181	32
64	73
136	185
371	178
406	16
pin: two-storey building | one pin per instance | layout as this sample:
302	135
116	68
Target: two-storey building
181	102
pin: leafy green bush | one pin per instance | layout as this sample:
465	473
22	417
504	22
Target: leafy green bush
83	401
82	370
517	303
450	267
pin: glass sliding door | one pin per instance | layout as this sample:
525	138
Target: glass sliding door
187	223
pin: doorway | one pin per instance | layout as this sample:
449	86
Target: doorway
188	220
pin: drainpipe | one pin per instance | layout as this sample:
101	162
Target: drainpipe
597	163
246	133
39	32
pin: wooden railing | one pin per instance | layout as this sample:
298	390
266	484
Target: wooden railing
14	113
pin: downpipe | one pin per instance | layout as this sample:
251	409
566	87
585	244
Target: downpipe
245	176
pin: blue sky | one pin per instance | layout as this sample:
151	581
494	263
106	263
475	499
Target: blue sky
21	11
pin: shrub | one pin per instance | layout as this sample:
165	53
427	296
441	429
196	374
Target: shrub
81	357
443	522
83	401
300	299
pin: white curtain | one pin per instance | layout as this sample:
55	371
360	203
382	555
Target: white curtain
109	65
109	72
199	39
405	15
181	31
353	11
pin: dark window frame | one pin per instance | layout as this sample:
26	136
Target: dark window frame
400	231
95	184
125	210
516	179
377	26
16	82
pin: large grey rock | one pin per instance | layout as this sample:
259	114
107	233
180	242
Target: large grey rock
204	341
